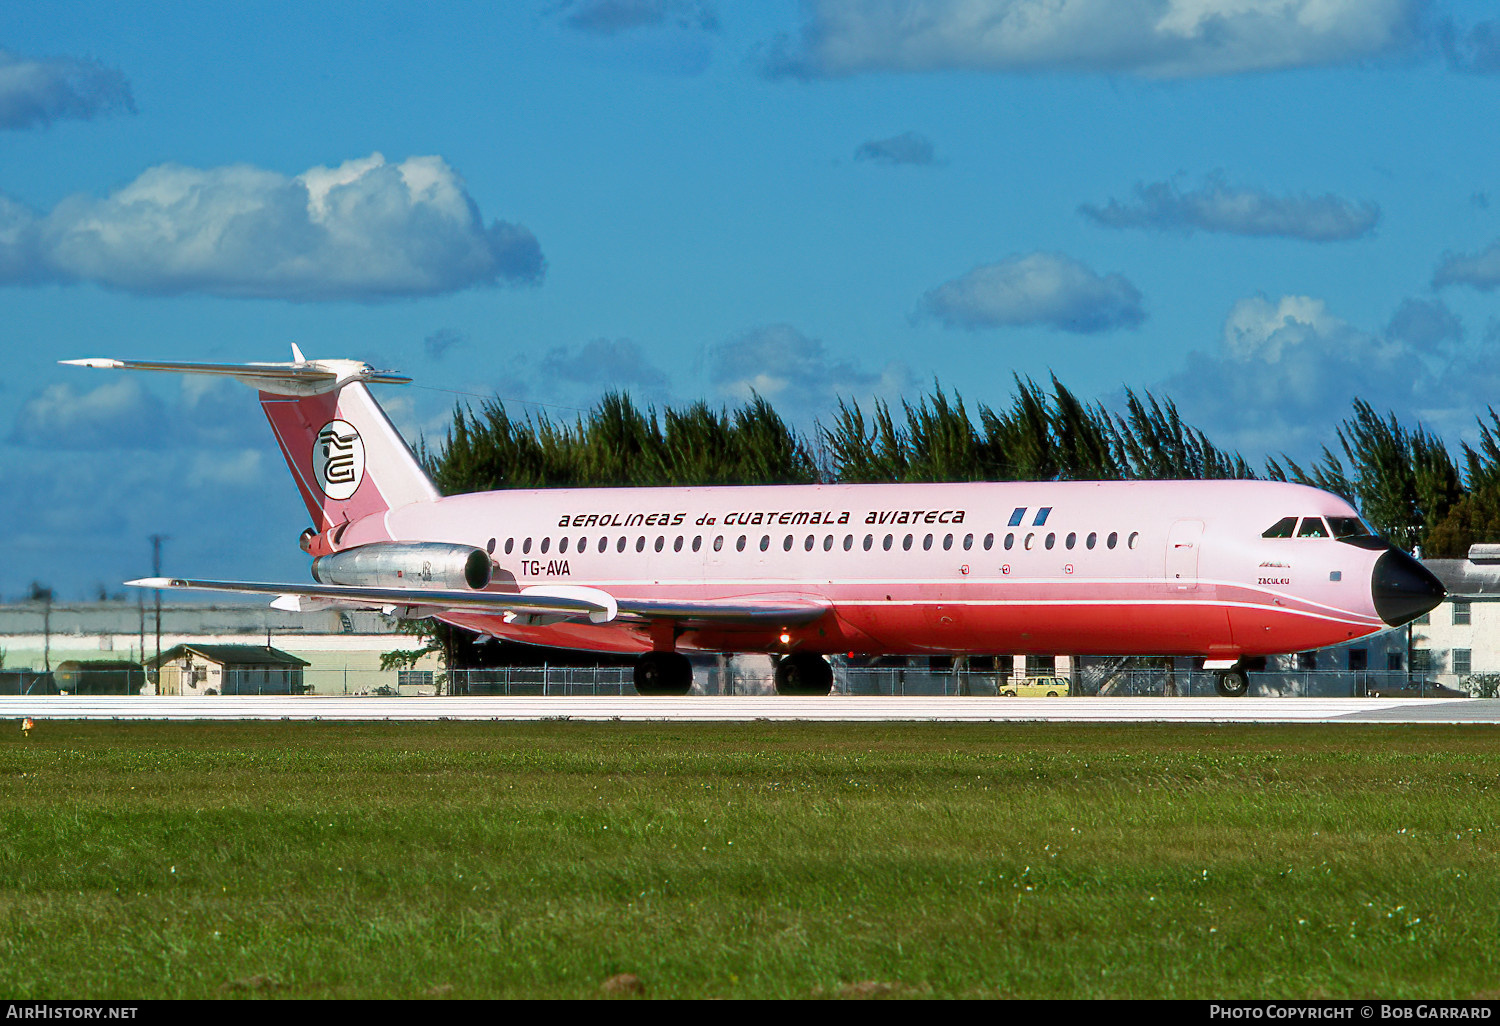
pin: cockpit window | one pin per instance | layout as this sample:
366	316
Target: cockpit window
1283	528
1349	527
1312	527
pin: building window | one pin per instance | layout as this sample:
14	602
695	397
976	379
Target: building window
1393	660
1460	613
414	678
1462	661
1307	660
1359	659
1421	660
1423	620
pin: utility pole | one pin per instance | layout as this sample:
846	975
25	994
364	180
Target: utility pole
156	540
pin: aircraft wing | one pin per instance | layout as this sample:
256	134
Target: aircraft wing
535	605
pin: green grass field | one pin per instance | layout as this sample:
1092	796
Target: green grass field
748	860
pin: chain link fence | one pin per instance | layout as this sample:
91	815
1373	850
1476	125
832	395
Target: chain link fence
724	677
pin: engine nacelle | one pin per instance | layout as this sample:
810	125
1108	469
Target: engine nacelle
406	565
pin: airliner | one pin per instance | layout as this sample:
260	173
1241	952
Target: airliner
1227	571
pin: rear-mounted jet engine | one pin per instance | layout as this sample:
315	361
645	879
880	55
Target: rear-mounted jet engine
425	565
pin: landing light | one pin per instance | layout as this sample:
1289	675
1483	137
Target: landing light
786	639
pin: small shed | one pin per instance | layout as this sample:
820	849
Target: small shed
228	670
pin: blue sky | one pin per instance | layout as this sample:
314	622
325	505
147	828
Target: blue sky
1258	207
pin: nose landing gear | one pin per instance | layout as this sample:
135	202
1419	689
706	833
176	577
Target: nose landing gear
1232	684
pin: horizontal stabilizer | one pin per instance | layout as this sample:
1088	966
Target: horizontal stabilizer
299	377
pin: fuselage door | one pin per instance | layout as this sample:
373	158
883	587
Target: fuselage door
1183	542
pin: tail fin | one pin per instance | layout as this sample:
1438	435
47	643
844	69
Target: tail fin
346	457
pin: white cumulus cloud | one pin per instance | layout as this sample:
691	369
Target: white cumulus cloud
797	374
1478	270
1216	206
607	364
365	230
1286	370
1160	38
1038	288
36	91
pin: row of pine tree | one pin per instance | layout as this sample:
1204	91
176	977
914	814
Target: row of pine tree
1404	480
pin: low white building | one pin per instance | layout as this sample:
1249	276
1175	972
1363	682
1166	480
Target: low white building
1460	639
341	649
197	669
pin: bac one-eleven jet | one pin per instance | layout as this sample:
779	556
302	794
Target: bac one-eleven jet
1224	570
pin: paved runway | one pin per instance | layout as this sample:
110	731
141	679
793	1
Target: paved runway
834	708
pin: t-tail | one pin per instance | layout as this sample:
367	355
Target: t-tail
347	459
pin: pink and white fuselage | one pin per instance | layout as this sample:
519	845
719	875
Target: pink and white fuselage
1218	569
1118	568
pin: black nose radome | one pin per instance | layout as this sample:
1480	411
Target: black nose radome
1403	588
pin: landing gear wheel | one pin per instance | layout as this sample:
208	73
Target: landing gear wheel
803	674
1233	684
663	673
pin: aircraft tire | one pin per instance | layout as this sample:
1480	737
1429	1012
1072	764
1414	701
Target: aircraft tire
1233	684
804	674
663	673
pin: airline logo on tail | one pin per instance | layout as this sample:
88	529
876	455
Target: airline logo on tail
338	459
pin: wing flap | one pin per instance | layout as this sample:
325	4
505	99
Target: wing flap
539	604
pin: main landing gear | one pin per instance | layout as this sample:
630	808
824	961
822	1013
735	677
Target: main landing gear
1232	684
803	673
663	673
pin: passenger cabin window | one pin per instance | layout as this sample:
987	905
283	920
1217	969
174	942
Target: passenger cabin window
1283	528
1312	527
